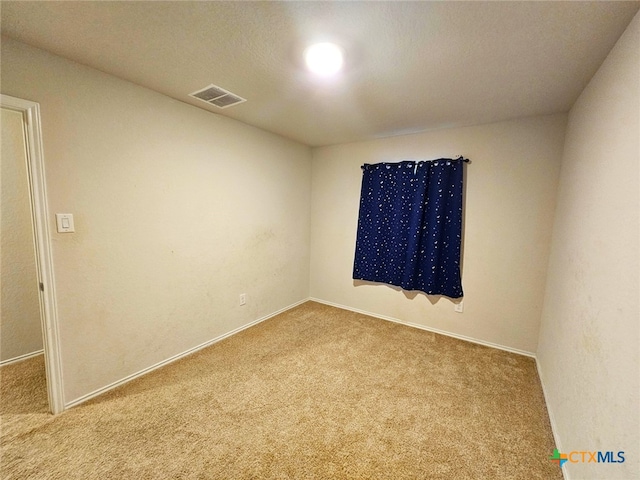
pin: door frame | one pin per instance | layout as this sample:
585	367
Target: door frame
42	244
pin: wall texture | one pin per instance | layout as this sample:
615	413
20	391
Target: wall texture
510	197
177	211
588	349
20	329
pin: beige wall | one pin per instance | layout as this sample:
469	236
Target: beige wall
177	211
510	196
589	338
20	329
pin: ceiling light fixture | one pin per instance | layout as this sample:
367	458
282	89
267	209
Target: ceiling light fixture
324	59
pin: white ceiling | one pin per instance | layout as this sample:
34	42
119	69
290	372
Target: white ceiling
411	66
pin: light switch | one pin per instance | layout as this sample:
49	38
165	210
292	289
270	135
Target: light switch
65	222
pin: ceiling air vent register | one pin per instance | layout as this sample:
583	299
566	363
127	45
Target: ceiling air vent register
219	97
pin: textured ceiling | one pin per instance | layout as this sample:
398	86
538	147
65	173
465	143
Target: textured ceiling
410	66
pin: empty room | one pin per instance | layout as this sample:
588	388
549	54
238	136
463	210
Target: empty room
320	240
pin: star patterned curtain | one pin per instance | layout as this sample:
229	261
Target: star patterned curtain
410	226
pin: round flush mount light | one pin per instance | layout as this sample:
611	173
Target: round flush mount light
324	59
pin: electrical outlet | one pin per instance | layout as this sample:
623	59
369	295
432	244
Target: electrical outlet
243	299
459	307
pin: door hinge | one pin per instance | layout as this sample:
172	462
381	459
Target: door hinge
41	287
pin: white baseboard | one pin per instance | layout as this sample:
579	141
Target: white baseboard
554	428
429	329
172	359
20	358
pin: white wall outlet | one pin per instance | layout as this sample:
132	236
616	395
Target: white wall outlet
64	222
459	307
243	299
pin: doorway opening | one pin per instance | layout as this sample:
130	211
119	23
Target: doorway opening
29	112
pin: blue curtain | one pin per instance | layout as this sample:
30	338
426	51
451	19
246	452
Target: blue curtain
410	226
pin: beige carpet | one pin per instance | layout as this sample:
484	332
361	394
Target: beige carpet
314	393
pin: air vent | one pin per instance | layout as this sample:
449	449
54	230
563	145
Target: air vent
219	97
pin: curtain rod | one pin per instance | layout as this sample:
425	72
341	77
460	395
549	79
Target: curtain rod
465	160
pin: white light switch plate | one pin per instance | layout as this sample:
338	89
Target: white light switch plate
64	221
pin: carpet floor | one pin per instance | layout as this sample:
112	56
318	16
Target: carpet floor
313	393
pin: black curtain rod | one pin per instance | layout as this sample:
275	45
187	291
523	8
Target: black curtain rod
465	160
